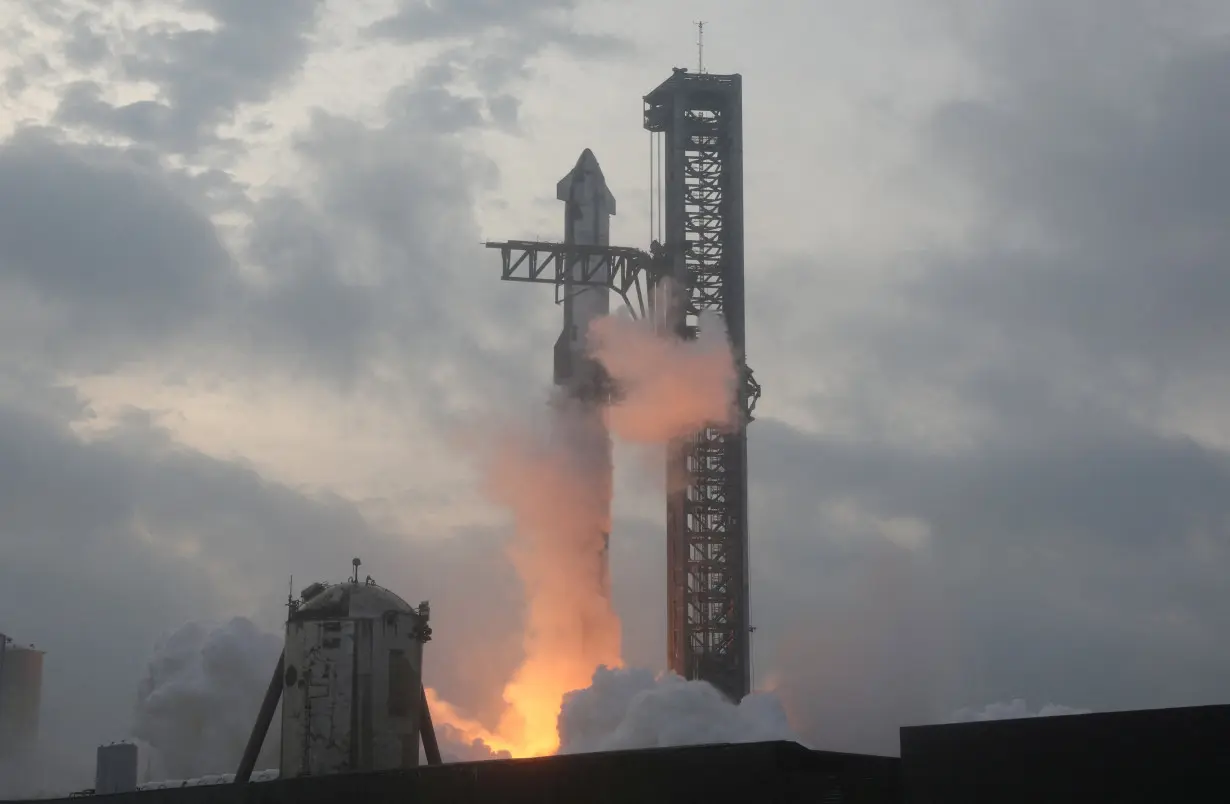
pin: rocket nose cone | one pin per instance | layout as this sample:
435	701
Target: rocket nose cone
586	168
587	162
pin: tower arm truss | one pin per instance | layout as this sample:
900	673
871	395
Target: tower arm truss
629	272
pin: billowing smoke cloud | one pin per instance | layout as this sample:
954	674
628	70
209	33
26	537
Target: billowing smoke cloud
199	698
556	482
1011	710
200	695
455	747
633	709
203	687
668	387
554	478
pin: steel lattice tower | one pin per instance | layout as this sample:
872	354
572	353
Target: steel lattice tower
699	117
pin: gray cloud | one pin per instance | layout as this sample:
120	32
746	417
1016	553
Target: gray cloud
1073	552
1049	563
202	75
1116	177
99	239
382	259
533	23
498	41
127	235
1076	543
119	255
108	255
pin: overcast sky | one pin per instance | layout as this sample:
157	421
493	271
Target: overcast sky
246	324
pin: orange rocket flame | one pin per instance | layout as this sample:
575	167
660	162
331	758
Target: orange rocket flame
558	487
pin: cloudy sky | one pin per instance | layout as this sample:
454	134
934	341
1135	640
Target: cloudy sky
247	325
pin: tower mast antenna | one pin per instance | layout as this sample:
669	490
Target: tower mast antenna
700	45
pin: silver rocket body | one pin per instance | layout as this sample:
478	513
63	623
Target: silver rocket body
588	207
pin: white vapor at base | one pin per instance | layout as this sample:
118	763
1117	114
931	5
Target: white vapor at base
200	695
633	709
1011	710
199	698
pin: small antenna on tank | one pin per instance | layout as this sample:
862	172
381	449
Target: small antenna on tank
700	45
355	563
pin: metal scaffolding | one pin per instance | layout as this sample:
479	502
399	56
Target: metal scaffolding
699	118
628	272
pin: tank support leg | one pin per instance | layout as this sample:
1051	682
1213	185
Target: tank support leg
430	746
261	727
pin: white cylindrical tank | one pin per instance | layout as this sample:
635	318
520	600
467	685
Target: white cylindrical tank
21	692
352	693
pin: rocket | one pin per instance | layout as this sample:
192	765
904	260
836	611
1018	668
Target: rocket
588	207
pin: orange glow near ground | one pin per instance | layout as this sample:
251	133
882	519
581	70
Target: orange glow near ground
528	727
558	489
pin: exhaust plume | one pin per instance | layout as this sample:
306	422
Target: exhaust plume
669	387
632	709
557	485
200	694
203	687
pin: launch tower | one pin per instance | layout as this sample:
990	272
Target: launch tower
697	121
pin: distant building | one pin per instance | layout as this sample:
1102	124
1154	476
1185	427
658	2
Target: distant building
21	690
116	771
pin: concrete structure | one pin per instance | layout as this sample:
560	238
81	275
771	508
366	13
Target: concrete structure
1178	755
1154	755
352	680
21	692
205	781
116	769
782	773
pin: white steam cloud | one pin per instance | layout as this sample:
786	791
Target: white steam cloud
455	747
1011	710
200	695
632	709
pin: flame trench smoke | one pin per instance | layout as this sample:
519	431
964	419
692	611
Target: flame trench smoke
557	484
194	706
